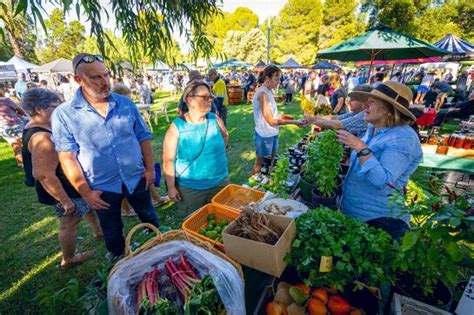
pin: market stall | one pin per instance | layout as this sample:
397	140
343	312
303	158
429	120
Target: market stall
460	50
381	43
282	247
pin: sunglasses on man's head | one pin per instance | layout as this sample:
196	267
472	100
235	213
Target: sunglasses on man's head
89	59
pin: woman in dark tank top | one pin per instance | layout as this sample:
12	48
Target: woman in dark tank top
42	170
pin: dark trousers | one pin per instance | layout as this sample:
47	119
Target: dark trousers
395	227
288	97
111	219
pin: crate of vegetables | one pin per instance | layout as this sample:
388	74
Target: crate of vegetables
235	197
208	223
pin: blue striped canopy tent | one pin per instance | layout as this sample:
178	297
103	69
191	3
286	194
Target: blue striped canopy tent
460	49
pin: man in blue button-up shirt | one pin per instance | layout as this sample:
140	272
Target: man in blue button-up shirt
105	149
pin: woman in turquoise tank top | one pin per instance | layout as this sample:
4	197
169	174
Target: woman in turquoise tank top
194	157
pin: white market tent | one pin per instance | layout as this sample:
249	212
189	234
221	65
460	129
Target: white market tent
158	66
60	65
51	70
21	65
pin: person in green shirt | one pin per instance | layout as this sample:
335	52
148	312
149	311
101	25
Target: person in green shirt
219	90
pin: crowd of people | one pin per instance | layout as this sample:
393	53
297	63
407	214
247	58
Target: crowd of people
87	149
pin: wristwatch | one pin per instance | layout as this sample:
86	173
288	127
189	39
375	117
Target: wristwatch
364	152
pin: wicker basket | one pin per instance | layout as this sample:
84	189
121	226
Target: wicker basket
235	196
198	220
166	237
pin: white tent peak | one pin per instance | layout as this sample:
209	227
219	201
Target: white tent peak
21	65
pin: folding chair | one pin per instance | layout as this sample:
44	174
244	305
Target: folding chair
162	109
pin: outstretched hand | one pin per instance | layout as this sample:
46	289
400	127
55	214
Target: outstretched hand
347	138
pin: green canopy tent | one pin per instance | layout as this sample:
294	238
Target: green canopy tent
381	43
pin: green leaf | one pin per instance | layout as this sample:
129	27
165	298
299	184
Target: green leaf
432	255
409	240
452	276
455	222
21	7
453	251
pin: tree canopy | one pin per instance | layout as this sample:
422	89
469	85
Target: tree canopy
428	20
296	31
63	40
18	34
339	22
245	46
187	17
242	19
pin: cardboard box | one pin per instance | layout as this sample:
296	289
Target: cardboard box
260	256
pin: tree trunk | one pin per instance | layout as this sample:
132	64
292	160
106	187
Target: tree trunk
14	42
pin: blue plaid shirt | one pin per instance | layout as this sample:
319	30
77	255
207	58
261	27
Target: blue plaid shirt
354	123
396	155
108	149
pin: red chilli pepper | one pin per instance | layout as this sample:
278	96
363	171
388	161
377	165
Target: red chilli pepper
405	191
391	186
415	198
436	206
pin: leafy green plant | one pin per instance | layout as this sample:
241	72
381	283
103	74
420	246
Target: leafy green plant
204	298
65	300
322	165
76	299
280	176
359	253
435	245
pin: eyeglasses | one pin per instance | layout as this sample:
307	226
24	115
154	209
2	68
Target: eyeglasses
89	59
204	97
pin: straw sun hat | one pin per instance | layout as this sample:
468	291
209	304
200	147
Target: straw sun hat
396	94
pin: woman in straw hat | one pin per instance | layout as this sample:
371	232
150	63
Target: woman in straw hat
384	158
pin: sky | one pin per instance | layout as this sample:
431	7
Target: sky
263	8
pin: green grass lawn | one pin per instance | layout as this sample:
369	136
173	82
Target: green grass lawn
29	249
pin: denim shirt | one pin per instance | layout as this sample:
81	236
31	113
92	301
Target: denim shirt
108	149
396	153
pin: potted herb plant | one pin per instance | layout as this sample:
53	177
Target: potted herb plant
322	168
434	247
309	173
280	177
334	250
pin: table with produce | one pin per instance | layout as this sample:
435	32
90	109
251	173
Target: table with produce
278	245
449	151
